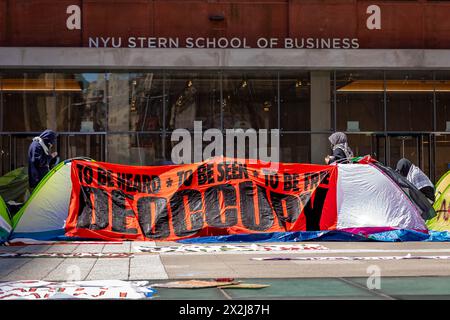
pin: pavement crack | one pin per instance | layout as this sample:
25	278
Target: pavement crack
163	265
53	269
378	293
224	293
16	269
90	270
59	264
129	268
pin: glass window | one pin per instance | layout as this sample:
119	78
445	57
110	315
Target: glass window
28	102
295	101
409	101
81	102
81	145
135	149
442	155
378	148
5	154
19	150
415	147
135	102
193	96
250	100
359	101
442	86
295	147
362	145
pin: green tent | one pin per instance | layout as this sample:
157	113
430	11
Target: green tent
44	215
5	221
442	184
441	222
14	185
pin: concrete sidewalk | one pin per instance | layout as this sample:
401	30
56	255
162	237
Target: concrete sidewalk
160	266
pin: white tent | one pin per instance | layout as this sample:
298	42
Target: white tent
367	197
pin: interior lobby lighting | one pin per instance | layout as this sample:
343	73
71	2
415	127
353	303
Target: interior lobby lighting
396	86
32	85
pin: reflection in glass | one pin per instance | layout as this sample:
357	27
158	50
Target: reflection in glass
295	147
442	100
83	110
403	147
28	102
135	102
409	100
442	155
443	111
135	149
5	154
378	150
90	146
360	144
193	96
359	101
295	101
250	100
19	150
116	105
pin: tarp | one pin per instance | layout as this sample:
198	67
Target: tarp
81	200
5	222
394	235
99	289
215	197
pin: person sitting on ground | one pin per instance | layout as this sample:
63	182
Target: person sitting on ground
341	150
416	176
39	157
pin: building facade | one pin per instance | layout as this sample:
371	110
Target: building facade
116	78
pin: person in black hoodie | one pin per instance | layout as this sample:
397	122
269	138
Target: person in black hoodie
416	176
39	157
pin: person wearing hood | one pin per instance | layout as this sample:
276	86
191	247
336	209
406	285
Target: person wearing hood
416	176
341	150
39	157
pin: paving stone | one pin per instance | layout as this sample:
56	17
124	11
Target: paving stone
72	269
35	269
37	248
63	248
123	247
110	269
9	265
146	267
89	248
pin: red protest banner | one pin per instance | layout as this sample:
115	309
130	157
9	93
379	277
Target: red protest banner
216	197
